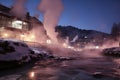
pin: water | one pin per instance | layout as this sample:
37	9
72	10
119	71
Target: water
80	69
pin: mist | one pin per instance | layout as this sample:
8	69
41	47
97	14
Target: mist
18	8
51	16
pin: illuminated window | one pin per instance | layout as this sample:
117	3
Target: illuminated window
17	24
24	23
25	26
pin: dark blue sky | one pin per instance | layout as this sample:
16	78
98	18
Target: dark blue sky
86	14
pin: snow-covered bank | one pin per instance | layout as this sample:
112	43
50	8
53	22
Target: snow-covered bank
13	52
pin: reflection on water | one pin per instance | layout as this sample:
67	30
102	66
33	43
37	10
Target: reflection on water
32	74
69	70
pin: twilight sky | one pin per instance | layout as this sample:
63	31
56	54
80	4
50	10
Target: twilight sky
85	14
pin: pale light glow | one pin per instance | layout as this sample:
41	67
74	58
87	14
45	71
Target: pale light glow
5	35
26	37
32	36
65	45
24	23
86	37
48	41
97	47
32	74
70	47
22	35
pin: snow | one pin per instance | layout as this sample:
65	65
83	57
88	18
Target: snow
36	51
19	52
39	51
75	38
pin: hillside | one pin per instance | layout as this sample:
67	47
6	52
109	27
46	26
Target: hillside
76	35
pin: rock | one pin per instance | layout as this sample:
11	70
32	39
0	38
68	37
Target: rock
97	75
114	52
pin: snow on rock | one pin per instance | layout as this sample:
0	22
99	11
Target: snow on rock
39	51
13	50
42	53
114	51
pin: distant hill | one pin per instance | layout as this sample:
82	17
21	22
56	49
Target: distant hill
80	34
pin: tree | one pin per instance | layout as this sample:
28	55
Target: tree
115	32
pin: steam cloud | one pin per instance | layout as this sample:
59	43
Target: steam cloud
51	10
18	8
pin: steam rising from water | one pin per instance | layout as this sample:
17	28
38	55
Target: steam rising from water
18	8
51	10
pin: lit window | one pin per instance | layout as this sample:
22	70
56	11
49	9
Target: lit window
17	24
24	23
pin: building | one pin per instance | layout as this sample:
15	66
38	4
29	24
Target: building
8	20
14	27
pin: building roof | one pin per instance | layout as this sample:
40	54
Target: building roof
36	20
2	7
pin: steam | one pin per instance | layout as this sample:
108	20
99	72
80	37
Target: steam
18	8
67	40
51	10
39	31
